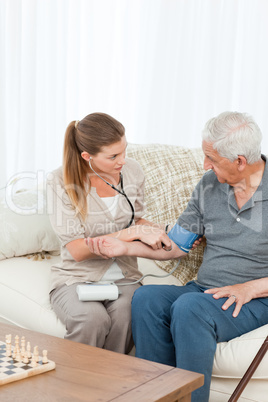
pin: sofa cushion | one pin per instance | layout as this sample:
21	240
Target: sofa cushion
234	357
25	226
24	294
171	174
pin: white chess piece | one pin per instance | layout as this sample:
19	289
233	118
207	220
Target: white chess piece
18	356
34	363
44	360
23	351
17	348
25	359
36	354
28	348
8	345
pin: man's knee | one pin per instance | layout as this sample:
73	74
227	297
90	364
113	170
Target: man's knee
191	306
146	298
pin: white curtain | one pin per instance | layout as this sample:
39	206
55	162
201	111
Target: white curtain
161	67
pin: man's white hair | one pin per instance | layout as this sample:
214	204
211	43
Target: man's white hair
233	134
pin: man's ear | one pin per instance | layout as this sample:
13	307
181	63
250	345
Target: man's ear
241	162
85	155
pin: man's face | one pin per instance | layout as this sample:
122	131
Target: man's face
225	170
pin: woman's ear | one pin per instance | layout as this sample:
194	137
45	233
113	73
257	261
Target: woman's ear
85	155
241	162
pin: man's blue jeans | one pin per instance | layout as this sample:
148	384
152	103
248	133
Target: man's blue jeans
181	325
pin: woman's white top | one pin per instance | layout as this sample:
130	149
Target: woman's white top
113	273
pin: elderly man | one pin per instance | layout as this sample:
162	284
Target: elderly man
181	325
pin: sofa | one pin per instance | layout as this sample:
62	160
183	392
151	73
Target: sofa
28	247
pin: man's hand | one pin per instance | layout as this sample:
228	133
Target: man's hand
106	247
197	243
239	294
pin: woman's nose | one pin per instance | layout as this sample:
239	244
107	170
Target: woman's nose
122	160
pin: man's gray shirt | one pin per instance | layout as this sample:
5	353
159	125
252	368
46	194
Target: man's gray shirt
237	239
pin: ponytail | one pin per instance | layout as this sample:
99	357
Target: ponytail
90	134
75	169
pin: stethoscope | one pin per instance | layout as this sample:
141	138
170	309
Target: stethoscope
122	192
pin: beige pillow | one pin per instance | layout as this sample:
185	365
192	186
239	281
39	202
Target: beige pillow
24	225
171	174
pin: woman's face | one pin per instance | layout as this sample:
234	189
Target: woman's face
111	158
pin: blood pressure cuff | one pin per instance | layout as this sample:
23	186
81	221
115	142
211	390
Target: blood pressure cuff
182	237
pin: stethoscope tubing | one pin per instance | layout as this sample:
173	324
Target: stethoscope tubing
122	192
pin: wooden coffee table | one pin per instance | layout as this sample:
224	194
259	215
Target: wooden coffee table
86	373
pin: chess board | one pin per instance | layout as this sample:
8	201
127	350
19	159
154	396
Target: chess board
13	370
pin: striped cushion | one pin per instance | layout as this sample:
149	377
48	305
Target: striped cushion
171	174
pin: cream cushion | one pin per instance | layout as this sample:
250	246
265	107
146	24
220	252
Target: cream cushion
245	346
25	226
24	294
231	361
24	291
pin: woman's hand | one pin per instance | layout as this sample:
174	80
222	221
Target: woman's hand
106	247
154	237
240	294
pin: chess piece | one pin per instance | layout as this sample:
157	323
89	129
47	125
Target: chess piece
17	340
34	363
17	348
23	351
18	356
8	338
36	354
25	359
28	350
44	360
8	351
8	345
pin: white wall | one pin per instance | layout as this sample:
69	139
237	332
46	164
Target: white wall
162	67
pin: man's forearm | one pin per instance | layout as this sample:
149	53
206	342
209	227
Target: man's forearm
140	249
258	287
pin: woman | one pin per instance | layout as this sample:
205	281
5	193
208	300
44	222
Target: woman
85	202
